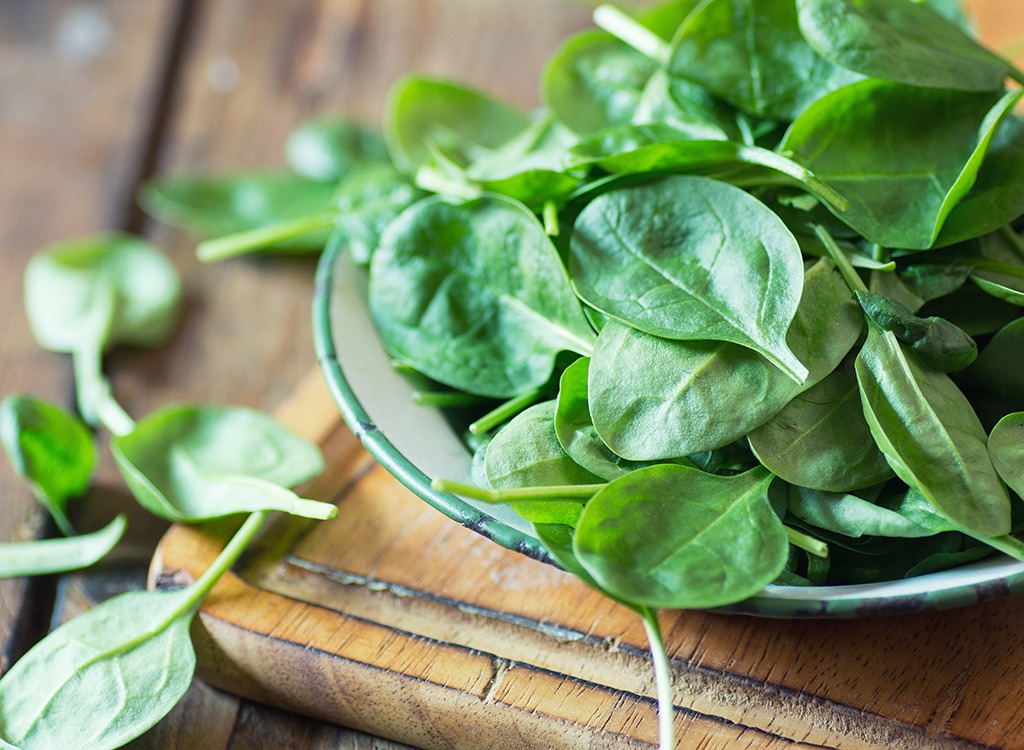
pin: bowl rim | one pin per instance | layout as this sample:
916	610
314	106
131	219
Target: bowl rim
957	587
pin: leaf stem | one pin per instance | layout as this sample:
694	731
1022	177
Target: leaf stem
444	399
240	243
806	542
505	411
838	257
231	552
96	400
627	29
517	494
765	158
662	679
551	227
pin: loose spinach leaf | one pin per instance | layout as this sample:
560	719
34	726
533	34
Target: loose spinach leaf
751	54
50	449
526	453
902	156
672	536
930	435
999	290
998	369
940	344
426	118
852	516
972	310
693	259
820	439
49	556
685	107
229	204
475	296
1006	447
327	149
189	463
652	398
901	40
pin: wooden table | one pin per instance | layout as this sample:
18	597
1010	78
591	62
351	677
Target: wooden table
96	97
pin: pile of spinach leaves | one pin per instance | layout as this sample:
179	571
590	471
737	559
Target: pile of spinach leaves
740	304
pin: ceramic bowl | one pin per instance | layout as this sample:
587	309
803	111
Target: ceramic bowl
417	443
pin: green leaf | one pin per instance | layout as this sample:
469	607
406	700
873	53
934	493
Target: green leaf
998	369
50	449
671	536
189	463
327	149
902	156
102	290
692	259
853	516
475	296
229	204
820	439
900	40
930	435
526	453
751	54
425	117
1003	291
652	398
1006	447
49	556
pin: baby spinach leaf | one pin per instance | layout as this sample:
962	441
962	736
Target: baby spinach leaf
693	259
685	107
1003	291
672	536
426	116
940	344
97	291
926	148
367	201
852	516
751	54
900	40
653	398
105	677
189	463
327	149
49	556
820	439
1006	447
475	296
595	81
49	448
972	310
930	435
997	196
526	453
229	204
998	369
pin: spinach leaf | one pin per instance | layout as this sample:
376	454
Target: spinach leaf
930	435
673	536
685	107
228	204
751	54
367	201
595	81
526	453
49	556
940	344
902	156
820	439
49	448
901	40
998	369
190	463
693	259
327	149
105	677
1003	291
475	296
653	398
852	516
972	310
1006	447
426	118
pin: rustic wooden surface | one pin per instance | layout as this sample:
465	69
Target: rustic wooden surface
96	95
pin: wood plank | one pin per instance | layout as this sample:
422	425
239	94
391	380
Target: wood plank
76	94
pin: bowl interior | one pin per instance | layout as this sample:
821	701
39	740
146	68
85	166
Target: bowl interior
417	444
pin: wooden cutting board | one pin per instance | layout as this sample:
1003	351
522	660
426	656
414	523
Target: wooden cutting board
395	620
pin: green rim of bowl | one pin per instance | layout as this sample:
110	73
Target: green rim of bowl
990	579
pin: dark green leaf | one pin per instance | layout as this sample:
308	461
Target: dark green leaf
998	367
851	516
1006	446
